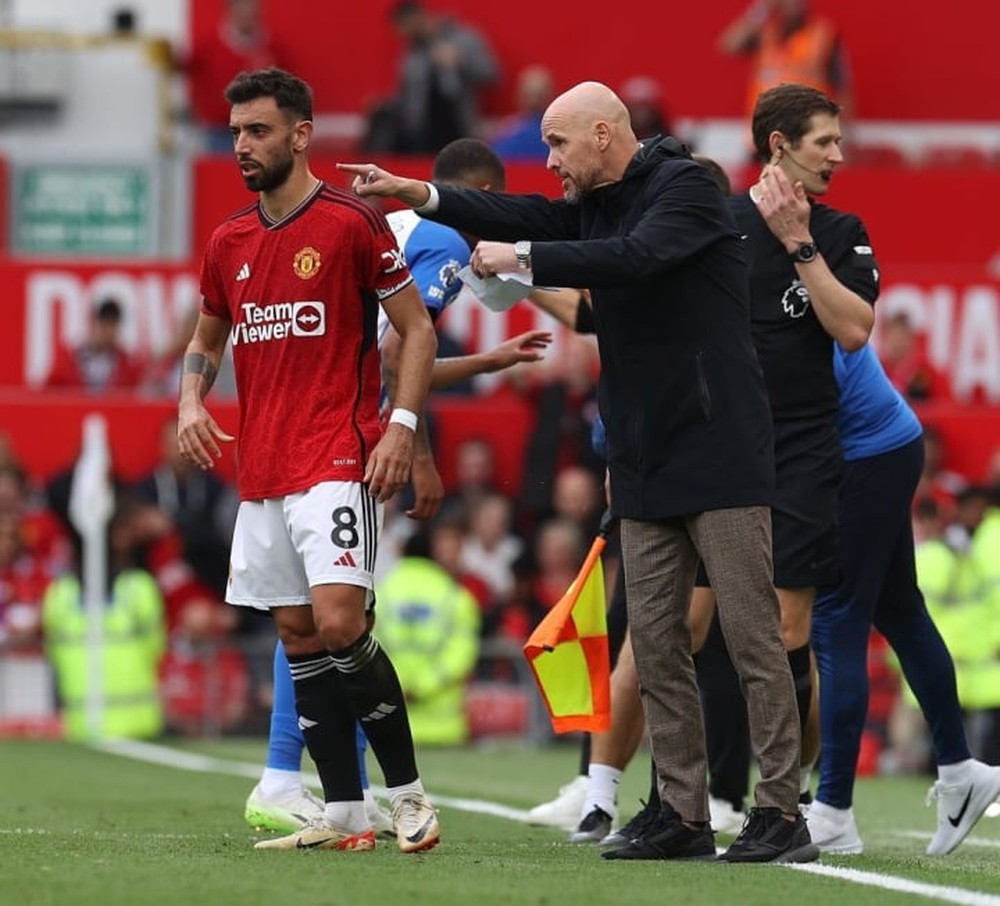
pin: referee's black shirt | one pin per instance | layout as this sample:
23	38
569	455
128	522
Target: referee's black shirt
795	351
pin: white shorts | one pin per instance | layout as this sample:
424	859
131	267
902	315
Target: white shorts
283	546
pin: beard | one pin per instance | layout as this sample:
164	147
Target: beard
575	188
266	179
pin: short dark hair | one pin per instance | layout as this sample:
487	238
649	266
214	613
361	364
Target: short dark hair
418	544
289	92
718	174
787	109
404	9
926	508
469	159
108	310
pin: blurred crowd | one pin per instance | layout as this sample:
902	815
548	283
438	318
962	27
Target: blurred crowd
496	558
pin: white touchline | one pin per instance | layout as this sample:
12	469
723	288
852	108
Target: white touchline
901	885
190	761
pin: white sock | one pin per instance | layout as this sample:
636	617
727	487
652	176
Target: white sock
805	778
398	792
836	815
602	790
348	816
275	782
953	773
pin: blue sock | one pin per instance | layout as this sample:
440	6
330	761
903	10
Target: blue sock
285	742
362	748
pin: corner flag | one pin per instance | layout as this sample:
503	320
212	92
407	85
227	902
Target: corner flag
568	652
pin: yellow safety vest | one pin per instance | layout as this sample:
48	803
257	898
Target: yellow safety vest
134	633
984	554
953	588
429	625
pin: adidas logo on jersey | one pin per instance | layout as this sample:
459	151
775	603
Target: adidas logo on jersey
345	559
244	273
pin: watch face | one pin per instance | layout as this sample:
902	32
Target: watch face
806	252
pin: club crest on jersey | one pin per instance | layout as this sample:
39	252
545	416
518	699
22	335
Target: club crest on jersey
307	262
795	301
449	273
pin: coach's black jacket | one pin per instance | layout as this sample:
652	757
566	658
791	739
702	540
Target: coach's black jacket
681	391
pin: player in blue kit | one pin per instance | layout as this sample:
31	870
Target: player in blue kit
883	453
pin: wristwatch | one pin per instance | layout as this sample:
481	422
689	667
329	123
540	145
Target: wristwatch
805	253
522	251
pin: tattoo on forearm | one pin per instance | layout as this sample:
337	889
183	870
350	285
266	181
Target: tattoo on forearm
196	363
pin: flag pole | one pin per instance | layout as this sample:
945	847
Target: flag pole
91	502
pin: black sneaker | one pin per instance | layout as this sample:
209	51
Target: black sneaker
668	838
593	828
768	837
642	821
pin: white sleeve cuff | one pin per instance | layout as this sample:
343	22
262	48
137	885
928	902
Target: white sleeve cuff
433	200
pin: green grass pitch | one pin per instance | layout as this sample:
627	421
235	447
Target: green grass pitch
83	826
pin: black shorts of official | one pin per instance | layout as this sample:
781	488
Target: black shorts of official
808	463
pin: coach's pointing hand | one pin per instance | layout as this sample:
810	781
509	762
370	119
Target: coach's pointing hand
372	181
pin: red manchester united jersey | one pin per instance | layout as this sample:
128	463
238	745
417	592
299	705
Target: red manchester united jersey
302	295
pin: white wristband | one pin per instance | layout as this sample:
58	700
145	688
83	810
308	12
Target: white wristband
404	417
433	200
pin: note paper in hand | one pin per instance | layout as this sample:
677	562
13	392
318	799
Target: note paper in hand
500	292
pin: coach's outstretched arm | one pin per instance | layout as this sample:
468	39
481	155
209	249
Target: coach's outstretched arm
370	180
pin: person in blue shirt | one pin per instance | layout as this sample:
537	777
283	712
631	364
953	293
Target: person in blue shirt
882	442
519	136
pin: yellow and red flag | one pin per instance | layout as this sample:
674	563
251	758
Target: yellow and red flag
568	652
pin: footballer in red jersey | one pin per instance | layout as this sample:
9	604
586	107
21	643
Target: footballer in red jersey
295	282
302	295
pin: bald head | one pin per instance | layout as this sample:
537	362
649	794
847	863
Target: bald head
590	138
590	102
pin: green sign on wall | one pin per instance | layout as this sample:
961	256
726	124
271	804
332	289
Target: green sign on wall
99	210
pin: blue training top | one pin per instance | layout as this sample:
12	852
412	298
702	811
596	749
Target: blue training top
434	254
874	418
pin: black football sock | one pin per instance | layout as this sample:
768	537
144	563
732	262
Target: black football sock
585	755
798	660
376	699
327	723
